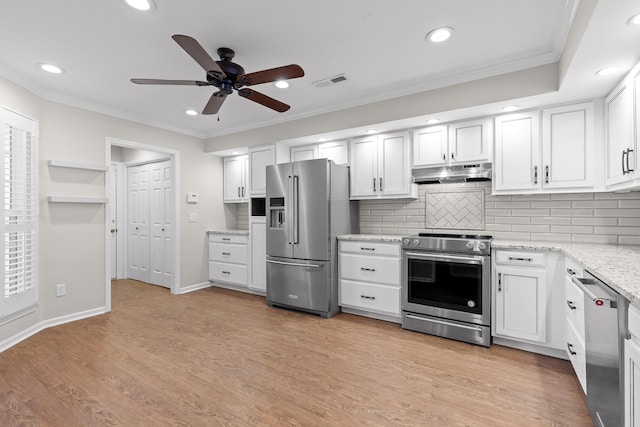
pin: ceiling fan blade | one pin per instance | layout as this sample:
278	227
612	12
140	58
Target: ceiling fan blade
214	104
265	76
263	99
169	82
197	52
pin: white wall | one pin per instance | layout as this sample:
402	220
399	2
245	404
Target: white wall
72	236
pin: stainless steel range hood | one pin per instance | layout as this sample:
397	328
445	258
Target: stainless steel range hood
451	174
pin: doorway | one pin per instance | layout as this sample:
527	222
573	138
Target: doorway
141	223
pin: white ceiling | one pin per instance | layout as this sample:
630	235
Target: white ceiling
379	45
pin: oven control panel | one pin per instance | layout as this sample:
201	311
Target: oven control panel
454	244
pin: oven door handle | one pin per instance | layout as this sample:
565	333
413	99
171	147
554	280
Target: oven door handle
451	258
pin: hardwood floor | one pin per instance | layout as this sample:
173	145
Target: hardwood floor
219	357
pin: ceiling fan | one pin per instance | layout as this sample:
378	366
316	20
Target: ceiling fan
228	76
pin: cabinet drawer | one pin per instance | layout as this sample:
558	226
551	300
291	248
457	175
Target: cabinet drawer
370	297
229	273
530	259
225	252
634	322
573	268
574	306
371	248
370	269
577	355
228	238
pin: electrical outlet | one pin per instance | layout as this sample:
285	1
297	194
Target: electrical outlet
61	290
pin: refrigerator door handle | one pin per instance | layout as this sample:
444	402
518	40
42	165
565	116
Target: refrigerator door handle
296	212
289	213
294	264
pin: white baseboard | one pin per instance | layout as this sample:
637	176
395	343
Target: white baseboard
238	288
195	287
532	348
10	342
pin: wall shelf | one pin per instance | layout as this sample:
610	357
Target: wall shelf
77	165
67	199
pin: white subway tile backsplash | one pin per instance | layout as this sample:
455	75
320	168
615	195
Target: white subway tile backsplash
577	217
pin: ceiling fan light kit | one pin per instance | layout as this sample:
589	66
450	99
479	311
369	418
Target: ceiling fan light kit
228	76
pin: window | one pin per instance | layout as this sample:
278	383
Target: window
20	212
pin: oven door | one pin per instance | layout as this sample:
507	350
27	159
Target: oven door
451	286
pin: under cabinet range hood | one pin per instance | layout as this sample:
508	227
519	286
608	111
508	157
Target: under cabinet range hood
452	174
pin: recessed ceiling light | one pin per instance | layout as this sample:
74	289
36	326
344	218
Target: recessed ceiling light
433	121
510	108
191	112
140	4
372	131
607	71
634	20
322	139
282	84
439	34
50	68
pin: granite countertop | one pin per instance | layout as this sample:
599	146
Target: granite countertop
382	238
236	232
616	265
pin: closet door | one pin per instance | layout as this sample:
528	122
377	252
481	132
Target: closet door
161	224
138	223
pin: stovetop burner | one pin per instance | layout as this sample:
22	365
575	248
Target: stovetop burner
456	236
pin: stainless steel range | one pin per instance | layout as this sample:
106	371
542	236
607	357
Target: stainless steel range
446	286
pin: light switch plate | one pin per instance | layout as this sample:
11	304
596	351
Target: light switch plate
193	217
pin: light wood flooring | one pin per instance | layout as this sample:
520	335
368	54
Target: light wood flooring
219	357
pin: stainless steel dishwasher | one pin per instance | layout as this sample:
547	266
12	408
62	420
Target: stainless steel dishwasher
605	330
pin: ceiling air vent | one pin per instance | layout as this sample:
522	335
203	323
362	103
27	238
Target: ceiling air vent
330	81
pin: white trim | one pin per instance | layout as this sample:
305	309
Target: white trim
71	199
238	288
18	314
23	335
146	161
196	287
377	316
78	165
532	348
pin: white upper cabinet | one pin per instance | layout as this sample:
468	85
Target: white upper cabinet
259	159
556	155
236	177
517	152
381	168
568	146
470	141
338	151
430	146
306	152
619	132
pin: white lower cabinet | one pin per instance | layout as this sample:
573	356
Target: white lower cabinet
574	327
228	257
528	289
632	371
370	274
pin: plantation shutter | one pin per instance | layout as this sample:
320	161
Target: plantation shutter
20	212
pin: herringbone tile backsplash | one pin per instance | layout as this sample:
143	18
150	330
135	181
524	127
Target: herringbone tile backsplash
575	217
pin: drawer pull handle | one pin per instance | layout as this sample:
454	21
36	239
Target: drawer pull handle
226	272
367	249
514	258
570	305
499	282
367	269
226	239
367	297
571	272
570	348
226	253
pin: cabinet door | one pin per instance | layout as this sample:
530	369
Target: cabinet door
258	270
259	159
430	146
364	167
517	152
338	151
521	303
394	166
567	146
234	169
308	152
631	383
618	116
469	142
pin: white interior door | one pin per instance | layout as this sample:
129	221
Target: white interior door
161	224
113	223
138	223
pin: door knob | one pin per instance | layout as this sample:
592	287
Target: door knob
113	230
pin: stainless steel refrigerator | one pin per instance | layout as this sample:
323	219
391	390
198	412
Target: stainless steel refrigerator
307	208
